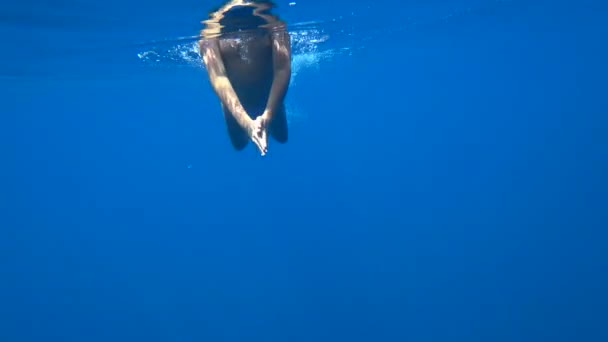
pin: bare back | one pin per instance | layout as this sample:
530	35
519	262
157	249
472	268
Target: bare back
248	62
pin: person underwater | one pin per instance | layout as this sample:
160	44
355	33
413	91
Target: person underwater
247	54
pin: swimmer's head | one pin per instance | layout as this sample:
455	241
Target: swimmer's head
240	15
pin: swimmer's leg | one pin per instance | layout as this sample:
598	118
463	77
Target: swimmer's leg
238	136
278	125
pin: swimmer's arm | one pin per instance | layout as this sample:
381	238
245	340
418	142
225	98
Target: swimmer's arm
221	84
281	57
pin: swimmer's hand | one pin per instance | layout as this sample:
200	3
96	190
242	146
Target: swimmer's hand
259	135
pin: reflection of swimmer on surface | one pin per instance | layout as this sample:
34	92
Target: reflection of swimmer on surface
247	53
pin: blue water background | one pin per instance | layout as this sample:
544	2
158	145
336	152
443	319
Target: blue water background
445	178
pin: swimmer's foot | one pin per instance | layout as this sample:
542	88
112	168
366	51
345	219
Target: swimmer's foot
259	134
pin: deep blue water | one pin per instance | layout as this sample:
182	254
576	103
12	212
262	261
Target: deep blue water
445	178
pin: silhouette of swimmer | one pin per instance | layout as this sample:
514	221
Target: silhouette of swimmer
247	53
